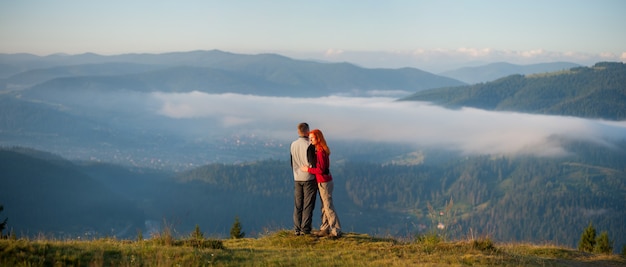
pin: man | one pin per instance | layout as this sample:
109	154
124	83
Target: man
305	185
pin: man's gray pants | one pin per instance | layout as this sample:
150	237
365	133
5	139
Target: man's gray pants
304	203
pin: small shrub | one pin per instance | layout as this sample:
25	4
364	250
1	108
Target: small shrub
165	237
587	239
204	243
197	240
603	244
431	238
483	244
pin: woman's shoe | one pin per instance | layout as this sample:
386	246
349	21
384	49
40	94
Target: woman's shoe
321	233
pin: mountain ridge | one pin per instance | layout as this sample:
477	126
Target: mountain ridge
304	76
590	92
496	70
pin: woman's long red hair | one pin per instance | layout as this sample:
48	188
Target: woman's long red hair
321	142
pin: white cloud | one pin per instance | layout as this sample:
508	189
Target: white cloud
473	52
532	53
467	130
333	52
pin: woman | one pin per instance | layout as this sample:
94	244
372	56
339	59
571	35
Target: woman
330	221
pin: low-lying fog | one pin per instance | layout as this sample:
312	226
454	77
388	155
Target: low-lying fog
467	130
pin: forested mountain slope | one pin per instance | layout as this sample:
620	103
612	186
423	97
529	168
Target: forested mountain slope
44	194
530	199
508	198
589	92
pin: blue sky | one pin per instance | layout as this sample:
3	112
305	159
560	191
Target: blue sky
476	29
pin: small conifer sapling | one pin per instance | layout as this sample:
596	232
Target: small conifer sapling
235	230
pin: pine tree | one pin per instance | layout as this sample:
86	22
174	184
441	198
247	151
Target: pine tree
603	244
197	234
3	225
235	231
587	239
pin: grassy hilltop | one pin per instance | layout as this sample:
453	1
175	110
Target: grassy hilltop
282	248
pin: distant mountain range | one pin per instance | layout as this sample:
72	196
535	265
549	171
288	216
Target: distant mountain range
589	92
212	72
494	71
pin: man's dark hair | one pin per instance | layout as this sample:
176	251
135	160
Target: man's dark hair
303	127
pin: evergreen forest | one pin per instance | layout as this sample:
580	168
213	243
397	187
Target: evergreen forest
598	91
525	199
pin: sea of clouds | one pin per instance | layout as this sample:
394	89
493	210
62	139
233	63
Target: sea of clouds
381	119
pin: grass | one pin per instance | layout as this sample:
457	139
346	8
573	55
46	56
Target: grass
282	248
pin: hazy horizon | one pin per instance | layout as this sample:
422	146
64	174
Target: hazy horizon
431	35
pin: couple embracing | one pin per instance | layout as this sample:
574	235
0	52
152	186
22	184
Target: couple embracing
310	164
